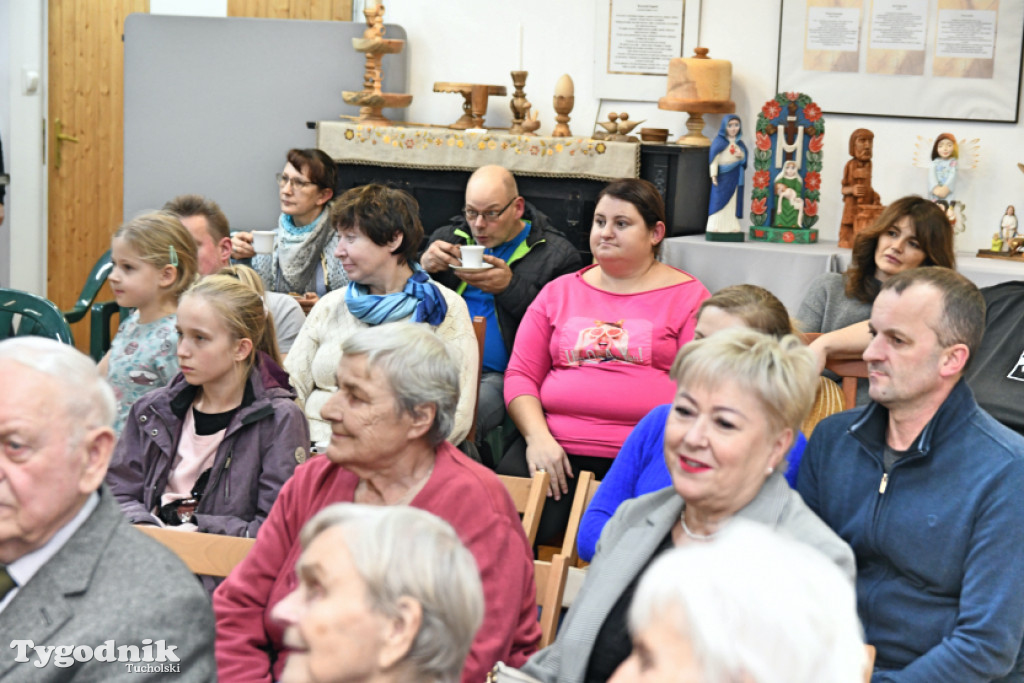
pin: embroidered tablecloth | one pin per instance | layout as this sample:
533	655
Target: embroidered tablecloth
447	150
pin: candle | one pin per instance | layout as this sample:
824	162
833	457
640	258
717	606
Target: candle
564	88
520	46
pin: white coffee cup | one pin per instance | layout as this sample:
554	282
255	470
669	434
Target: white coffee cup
263	241
472	256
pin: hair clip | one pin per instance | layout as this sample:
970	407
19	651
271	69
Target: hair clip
173	255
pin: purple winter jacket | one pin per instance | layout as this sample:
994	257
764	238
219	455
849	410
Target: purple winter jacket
264	441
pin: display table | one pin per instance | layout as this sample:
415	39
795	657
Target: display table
983	272
560	176
458	150
787	270
783	269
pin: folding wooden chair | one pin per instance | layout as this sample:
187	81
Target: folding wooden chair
850	368
206	554
529	496
585	490
550	579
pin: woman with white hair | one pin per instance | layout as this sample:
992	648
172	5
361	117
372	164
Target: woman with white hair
740	399
755	606
398	388
385	595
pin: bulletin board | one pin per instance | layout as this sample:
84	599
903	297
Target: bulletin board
937	59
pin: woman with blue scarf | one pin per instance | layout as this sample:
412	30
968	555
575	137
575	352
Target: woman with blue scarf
379	232
728	161
301	262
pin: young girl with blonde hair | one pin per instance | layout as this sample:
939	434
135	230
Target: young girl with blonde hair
211	450
154	259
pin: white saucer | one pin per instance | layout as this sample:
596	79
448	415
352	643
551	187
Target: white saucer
486	266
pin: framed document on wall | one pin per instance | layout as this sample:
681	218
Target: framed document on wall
938	59
635	41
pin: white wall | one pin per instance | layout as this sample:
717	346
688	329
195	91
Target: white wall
26	196
5	129
476	41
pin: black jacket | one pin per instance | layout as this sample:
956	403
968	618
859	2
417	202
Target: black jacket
545	255
996	369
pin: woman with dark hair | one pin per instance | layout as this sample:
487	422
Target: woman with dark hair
301	261
378	234
909	233
592	353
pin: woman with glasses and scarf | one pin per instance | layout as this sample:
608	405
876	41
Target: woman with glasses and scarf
301	262
378	232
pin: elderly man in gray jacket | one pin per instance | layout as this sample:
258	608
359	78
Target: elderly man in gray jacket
83	596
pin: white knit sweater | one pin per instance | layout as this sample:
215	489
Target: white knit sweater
313	360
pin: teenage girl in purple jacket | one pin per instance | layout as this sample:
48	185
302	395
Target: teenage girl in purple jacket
210	451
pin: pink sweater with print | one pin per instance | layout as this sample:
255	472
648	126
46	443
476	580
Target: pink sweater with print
467	495
599	361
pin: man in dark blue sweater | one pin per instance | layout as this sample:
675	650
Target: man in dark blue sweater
926	487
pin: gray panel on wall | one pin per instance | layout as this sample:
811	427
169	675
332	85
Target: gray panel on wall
211	105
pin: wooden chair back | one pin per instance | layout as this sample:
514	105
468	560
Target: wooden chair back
585	490
207	554
550	579
480	330
529	495
850	368
828	400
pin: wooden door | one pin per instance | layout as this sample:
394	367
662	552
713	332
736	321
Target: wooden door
86	90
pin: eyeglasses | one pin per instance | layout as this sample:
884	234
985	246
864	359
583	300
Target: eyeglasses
472	214
297	183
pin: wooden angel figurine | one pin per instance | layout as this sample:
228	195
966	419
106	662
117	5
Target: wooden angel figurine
942	172
947	160
727	163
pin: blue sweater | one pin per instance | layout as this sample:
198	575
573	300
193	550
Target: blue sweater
639	468
940	547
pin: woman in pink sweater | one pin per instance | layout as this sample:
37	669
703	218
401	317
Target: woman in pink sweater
592	354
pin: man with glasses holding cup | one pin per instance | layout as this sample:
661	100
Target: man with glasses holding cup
522	252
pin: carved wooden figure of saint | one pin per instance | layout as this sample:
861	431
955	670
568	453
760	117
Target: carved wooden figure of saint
856	185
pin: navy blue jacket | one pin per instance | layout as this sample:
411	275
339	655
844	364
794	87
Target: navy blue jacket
939	546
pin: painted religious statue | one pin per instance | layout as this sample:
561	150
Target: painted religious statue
787	170
859	198
727	163
1008	226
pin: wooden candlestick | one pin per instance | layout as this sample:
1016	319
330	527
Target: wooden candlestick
563	105
564	101
519	105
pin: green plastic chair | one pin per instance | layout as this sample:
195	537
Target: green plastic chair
101	313
91	289
99	327
39	317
